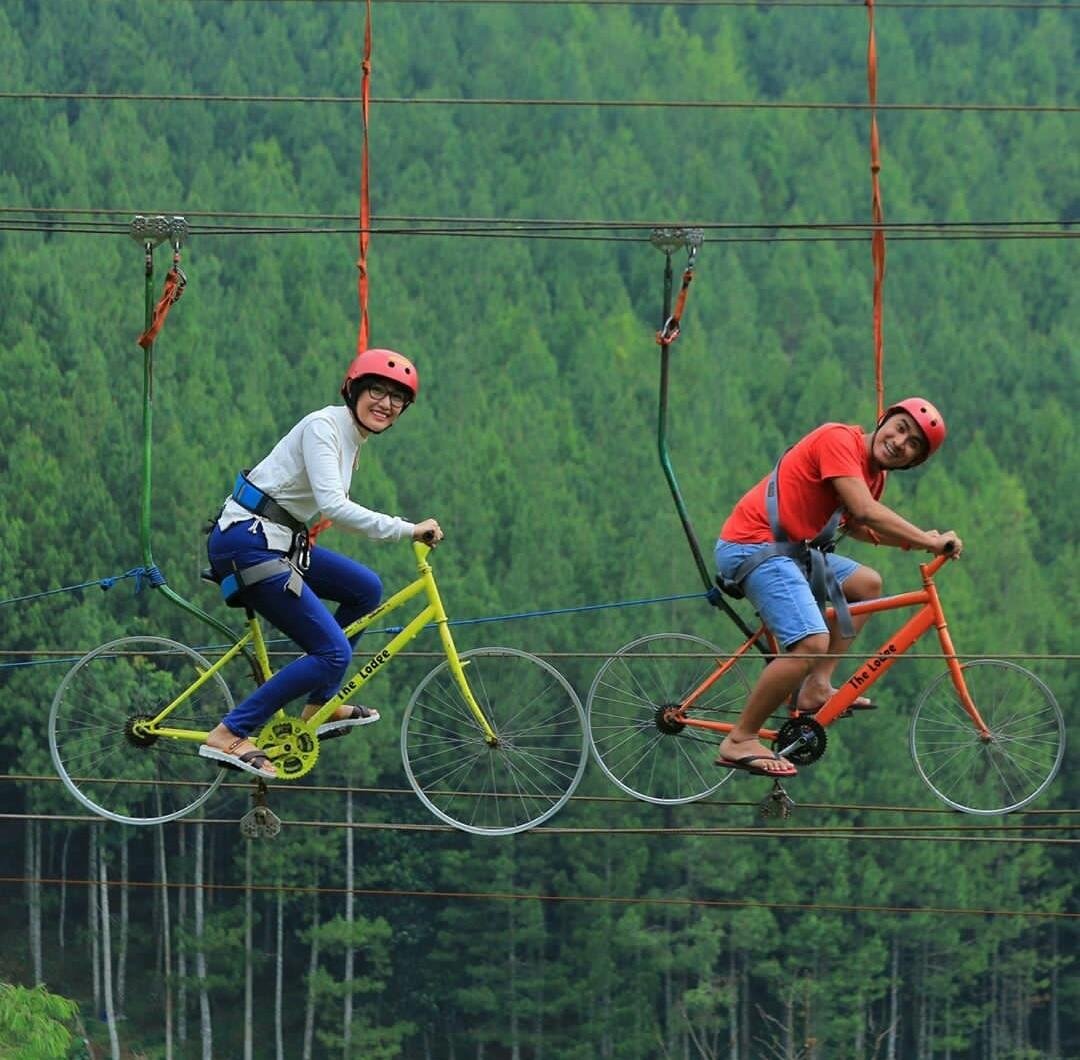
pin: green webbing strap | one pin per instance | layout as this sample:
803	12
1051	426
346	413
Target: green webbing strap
151	231
668	240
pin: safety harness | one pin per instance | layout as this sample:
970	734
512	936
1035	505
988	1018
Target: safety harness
809	555
260	503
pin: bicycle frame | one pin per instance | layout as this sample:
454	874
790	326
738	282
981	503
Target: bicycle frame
433	612
930	614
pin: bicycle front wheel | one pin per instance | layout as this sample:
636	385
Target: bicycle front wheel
104	761
639	748
531	769
1010	766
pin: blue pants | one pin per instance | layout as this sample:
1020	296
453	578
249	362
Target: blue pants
318	674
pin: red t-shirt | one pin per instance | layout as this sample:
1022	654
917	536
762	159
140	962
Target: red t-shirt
807	497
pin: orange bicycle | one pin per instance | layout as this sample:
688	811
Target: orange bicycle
987	736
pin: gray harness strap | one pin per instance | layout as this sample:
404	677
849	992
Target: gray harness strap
810	555
235	583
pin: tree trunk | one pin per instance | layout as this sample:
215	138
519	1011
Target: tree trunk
894	1001
1055	1024
33	897
789	1024
200	954
166	941
181	952
92	918
249	968
733	1003
122	949
313	965
63	890
744	995
350	916
106	958
279	929
515	1043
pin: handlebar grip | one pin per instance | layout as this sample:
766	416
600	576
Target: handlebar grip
950	548
429	537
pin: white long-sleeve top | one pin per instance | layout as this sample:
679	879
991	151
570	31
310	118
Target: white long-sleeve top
308	473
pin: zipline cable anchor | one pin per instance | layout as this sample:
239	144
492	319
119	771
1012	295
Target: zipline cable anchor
151	230
668	240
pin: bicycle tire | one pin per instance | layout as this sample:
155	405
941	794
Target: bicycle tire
527	775
1005	771
114	773
638	751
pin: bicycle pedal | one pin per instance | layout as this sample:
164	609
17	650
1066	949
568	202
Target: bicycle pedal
260	823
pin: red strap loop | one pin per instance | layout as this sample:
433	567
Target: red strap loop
362	341
175	282
670	331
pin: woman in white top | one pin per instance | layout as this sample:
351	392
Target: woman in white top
260	542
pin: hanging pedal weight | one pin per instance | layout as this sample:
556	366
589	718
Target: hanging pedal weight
260	822
778	803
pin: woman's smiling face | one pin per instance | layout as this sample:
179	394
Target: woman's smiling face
379	404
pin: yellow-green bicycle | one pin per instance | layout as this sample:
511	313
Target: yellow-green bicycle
493	739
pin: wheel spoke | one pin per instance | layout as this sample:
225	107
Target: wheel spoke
1007	768
636	746
113	773
521	778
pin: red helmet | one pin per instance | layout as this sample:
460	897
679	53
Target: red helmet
386	364
927	419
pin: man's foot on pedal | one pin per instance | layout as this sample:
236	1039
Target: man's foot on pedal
751	756
346	717
237	752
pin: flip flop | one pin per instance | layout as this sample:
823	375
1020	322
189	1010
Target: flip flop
360	716
860	703
248	762
746	764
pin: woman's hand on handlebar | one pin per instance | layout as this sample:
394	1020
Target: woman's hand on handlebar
428	531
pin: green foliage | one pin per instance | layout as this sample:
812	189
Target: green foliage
534	443
34	1023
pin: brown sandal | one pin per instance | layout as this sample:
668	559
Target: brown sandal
249	762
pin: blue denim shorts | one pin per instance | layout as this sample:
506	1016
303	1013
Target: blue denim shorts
779	591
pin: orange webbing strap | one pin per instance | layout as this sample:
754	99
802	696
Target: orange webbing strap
877	241
670	331
174	288
365	203
318	528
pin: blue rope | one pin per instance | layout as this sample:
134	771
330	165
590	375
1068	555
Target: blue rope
393	630
150	574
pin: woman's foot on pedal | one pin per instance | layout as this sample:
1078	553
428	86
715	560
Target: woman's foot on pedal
346	717
237	752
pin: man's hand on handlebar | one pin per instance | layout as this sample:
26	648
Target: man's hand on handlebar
946	544
428	531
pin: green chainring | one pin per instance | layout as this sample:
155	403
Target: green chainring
290	744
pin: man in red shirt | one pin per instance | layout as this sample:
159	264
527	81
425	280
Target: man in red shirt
770	547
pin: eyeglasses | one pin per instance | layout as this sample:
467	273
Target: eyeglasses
397	398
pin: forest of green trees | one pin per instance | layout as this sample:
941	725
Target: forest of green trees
875	922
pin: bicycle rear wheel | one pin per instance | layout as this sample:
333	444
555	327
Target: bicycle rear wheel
109	767
1007	769
532	769
637	746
